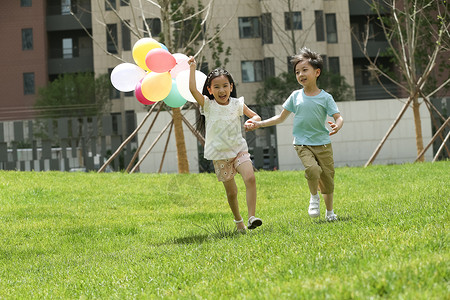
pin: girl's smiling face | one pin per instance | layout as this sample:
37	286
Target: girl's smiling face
221	89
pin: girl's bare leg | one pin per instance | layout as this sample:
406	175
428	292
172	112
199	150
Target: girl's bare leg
246	171
231	190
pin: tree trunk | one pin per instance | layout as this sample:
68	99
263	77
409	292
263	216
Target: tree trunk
183	163
418	127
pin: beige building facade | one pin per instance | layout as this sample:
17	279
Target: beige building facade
262	35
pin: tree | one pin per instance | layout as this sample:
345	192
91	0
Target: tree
74	95
417	32
185	30
276	89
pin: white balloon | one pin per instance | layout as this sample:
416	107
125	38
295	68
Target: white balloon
182	64
125	77
183	84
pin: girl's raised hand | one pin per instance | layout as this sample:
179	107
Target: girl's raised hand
192	61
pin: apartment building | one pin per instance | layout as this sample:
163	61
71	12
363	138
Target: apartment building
43	39
40	40
262	36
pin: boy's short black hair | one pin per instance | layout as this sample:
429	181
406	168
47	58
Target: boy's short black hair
314	59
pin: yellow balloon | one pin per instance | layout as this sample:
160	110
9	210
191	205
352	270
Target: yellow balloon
156	86
141	48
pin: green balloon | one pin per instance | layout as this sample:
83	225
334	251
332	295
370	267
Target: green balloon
174	99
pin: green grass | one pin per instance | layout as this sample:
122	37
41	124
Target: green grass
121	236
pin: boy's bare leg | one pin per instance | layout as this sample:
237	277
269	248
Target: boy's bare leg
231	190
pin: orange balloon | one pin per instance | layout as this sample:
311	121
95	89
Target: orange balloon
156	86
141	48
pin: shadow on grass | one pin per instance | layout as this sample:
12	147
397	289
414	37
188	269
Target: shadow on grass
340	219
214	231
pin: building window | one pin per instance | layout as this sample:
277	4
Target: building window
333	65
65	7
124	2
152	24
67	48
330	20
320	29
111	38
293	20
249	27
27	39
266	25
28	83
25	3
110	4
252	71
126	36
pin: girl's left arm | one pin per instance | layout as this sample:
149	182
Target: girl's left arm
339	122
252	116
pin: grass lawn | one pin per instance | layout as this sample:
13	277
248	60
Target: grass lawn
171	236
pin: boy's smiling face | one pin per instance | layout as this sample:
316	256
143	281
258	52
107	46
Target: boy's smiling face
306	74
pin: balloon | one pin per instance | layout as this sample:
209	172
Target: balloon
183	84
124	77
156	86
139	96
182	64
164	47
174	99
141	48
159	60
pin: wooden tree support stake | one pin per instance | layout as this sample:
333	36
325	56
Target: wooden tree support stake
434	138
380	145
151	147
442	147
141	143
113	156
165	149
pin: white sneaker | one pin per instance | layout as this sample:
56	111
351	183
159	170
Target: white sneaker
331	218
314	207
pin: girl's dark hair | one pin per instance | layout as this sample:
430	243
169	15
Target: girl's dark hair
314	59
200	123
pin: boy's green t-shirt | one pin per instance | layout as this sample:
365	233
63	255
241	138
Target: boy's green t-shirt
310	114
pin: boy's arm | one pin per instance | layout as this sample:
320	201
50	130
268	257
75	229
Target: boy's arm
269	122
192	84
335	127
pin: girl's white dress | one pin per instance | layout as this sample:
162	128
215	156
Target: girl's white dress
223	128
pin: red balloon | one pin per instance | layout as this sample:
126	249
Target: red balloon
139	96
159	60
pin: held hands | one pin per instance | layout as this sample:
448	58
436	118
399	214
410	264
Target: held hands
251	125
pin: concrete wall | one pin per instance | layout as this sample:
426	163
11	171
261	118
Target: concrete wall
366	122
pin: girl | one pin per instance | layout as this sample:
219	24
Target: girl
224	144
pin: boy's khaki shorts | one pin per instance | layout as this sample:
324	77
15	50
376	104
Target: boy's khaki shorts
226	168
319	165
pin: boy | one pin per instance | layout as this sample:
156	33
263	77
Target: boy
311	106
